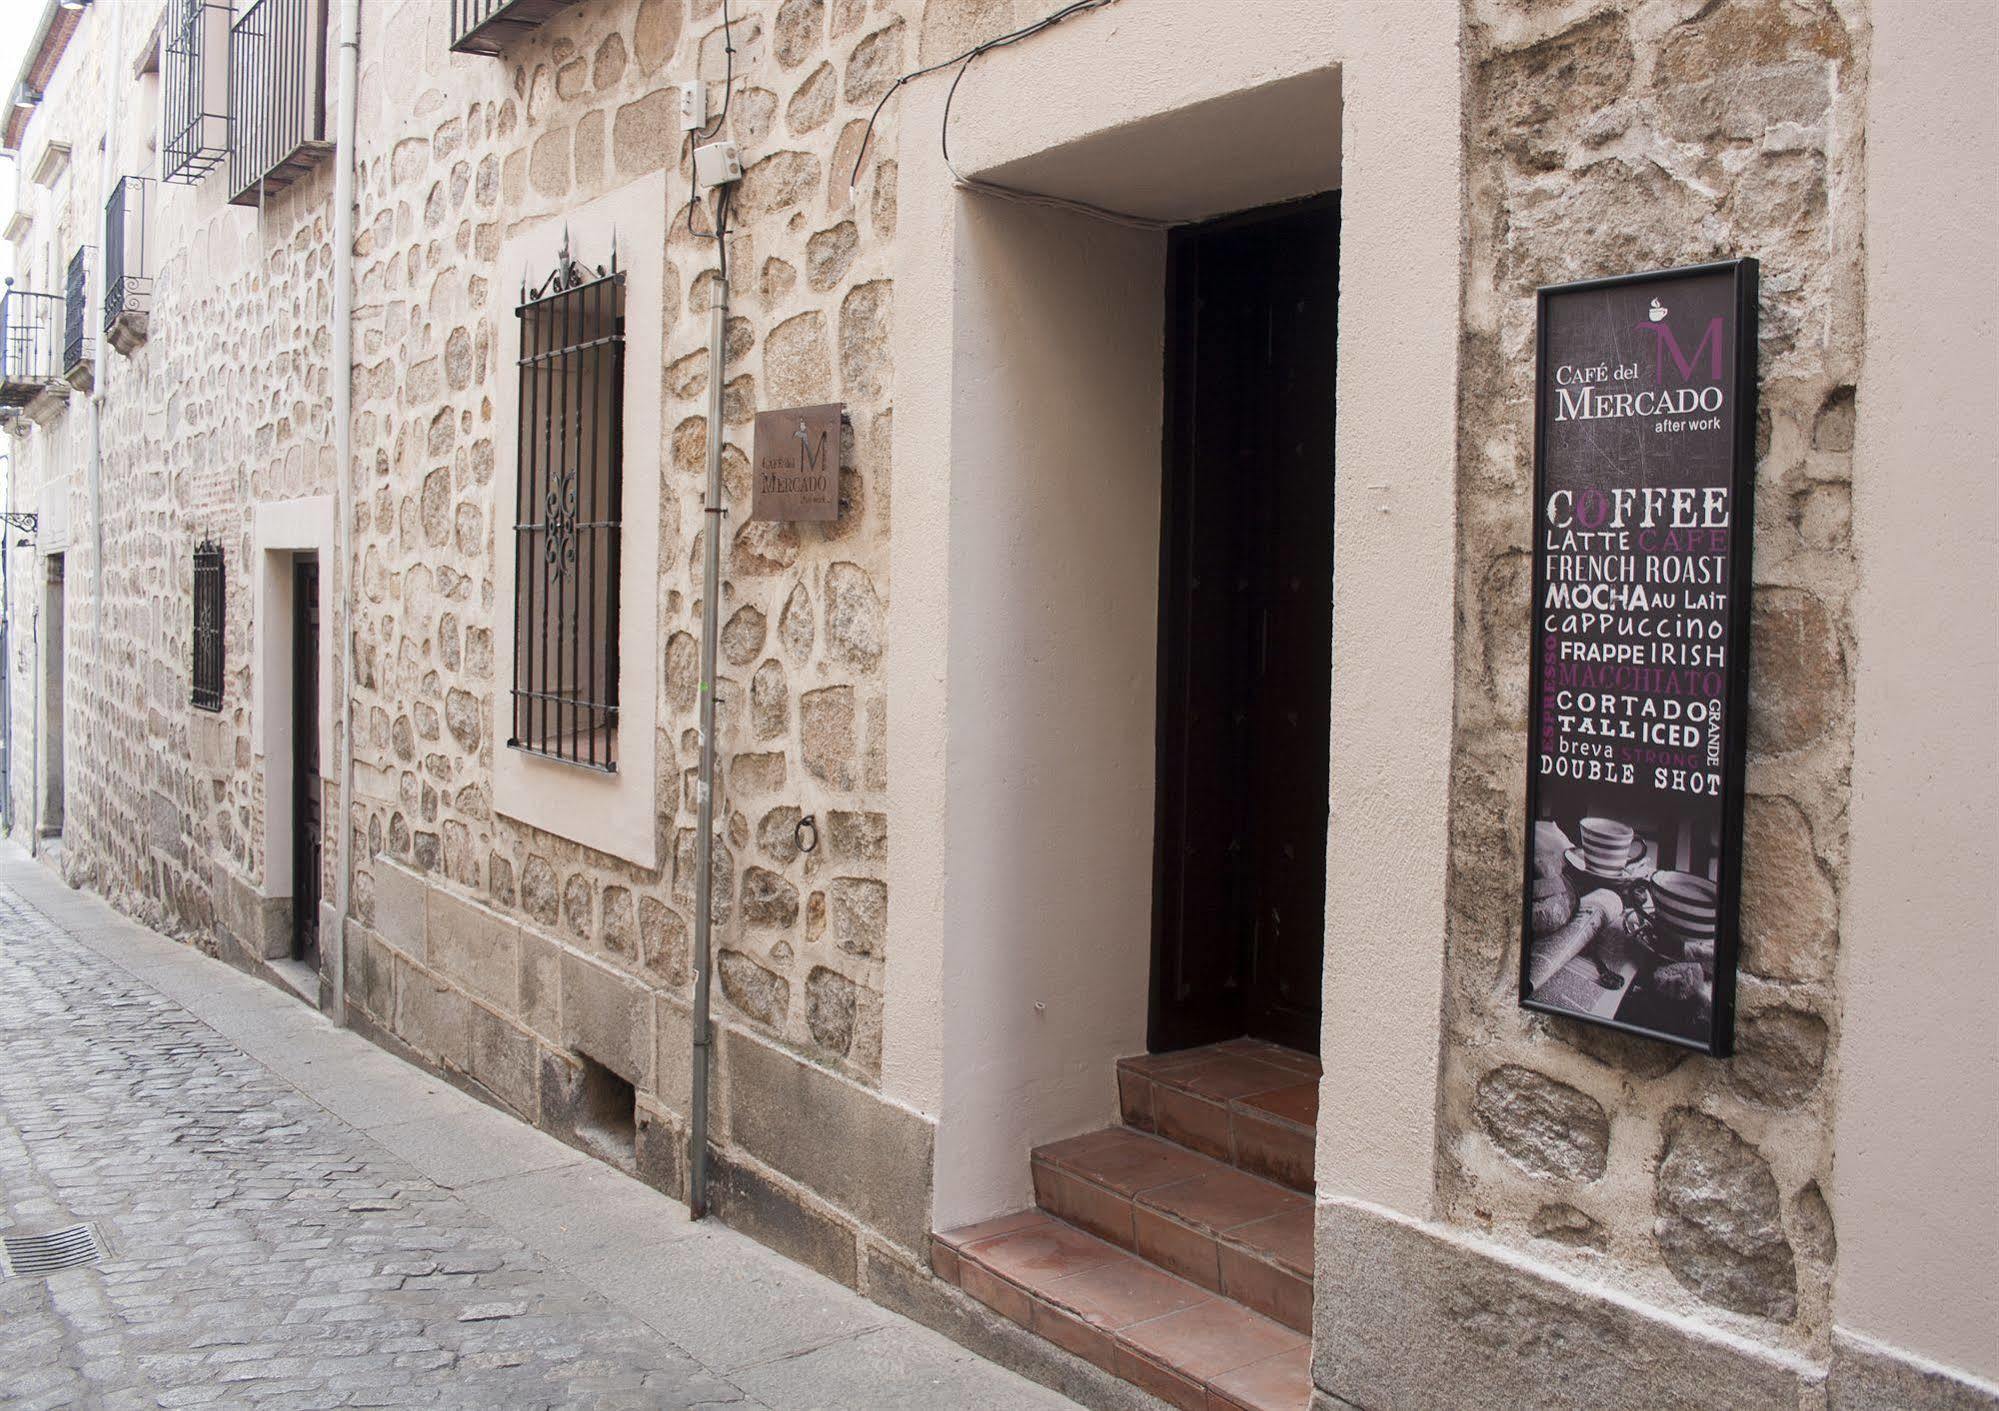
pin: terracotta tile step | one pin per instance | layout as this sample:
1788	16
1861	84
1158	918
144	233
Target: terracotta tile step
1251	1104
1190	1347
1223	1229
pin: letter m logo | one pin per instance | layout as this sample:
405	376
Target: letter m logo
1711	342
810	457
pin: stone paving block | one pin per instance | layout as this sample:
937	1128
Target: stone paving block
864	1154
607	1016
541	984
433	1017
474	946
506	1060
399	908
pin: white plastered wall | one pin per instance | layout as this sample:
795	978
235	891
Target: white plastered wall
1026	490
282	532
614	813
1916	1157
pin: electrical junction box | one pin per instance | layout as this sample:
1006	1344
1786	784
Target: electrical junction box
693	106
717	163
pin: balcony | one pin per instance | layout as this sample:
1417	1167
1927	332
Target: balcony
488	26
277	97
79	347
31	336
196	90
128	269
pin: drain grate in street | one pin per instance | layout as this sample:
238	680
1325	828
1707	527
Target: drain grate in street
27	1256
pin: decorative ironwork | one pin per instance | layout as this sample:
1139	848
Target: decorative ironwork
27	521
128	272
30	344
76	308
208	611
195	80
569	497
277	96
488	26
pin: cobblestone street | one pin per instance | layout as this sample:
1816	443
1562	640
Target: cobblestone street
264	1251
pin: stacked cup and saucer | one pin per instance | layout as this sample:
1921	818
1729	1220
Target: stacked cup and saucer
1612	855
1684	908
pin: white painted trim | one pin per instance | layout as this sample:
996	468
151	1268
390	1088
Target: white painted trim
280	532
1916	1130
1395	78
613	813
1394	599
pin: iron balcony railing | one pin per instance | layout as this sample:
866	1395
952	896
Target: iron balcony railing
195	78
277	96
488	26
76	311
128	270
30	344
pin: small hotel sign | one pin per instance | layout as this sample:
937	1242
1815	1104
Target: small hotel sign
796	458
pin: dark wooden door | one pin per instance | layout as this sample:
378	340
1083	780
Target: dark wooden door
305	762
1245	658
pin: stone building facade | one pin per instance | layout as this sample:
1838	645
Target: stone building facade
1509	1209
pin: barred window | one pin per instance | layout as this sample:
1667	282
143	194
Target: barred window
76	309
207	626
195	138
569	492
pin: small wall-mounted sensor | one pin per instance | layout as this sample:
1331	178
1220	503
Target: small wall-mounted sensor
693	106
717	163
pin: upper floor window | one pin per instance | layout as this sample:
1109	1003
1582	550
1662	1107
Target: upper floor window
128	268
77	332
488	26
277	96
197	89
568	507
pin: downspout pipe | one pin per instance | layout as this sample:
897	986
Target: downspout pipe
107	163
348	59
704	838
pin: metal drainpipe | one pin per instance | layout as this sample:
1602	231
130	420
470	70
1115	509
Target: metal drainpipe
704	840
343	454
7	532
101	373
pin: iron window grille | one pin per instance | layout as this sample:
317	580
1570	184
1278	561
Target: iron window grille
128	273
196	84
76	309
208	605
570	489
277	96
30	344
487	26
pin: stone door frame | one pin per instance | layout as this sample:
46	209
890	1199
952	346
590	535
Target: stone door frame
999	1019
283	530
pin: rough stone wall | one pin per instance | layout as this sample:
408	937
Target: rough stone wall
226	404
457	154
1603	138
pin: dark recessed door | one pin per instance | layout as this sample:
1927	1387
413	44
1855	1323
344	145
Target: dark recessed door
305	762
1246	598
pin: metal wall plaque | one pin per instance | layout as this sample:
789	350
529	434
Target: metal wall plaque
796	464
1644	465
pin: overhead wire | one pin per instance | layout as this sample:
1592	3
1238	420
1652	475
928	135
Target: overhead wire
695	138
963	62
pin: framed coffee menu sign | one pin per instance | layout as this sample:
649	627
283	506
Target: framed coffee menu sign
1644	461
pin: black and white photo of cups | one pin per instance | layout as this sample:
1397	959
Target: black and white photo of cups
1615	935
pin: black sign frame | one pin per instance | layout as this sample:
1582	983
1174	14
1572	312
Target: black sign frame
1743	382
